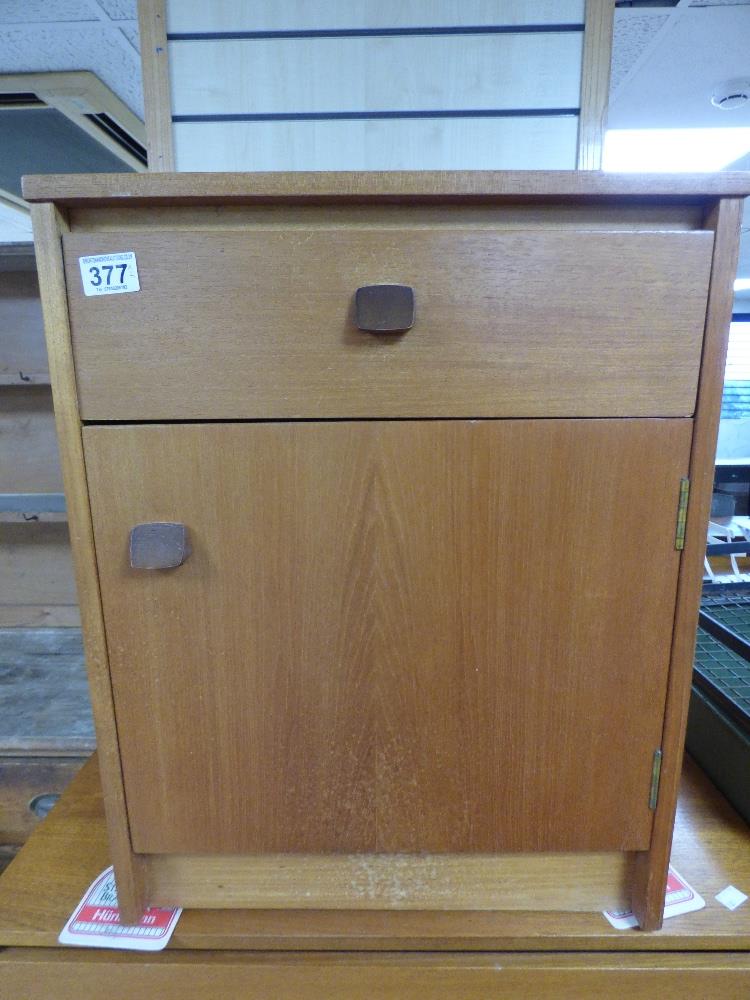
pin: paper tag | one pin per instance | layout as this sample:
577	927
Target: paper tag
95	922
731	897
109	273
680	898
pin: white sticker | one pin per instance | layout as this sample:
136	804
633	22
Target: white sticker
109	273
95	922
731	897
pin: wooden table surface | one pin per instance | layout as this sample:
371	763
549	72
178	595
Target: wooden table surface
329	954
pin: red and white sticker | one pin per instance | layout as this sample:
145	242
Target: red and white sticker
95	922
680	898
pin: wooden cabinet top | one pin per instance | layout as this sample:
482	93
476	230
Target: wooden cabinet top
522	185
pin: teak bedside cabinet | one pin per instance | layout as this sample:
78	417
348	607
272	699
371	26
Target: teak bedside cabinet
388	495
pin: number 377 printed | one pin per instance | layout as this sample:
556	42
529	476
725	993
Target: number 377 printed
109	273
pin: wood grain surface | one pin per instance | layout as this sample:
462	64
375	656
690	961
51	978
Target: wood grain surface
595	77
651	868
23	357
392	636
473	143
36	615
613	216
267	15
69	849
32	975
476	882
36	569
44	700
524	185
48	227
23	778
260	324
435	66
157	99
442	72
29	461
384	490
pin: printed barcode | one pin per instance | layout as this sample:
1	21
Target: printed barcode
86	927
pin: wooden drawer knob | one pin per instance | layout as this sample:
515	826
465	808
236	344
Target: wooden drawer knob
158	545
385	308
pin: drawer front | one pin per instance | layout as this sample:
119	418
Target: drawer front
261	323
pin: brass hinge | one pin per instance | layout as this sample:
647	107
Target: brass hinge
653	797
679	538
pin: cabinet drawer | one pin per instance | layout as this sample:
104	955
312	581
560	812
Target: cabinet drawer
260	323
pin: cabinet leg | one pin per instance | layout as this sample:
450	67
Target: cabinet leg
131	889
649	888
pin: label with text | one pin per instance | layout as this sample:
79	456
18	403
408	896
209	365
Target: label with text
109	273
95	922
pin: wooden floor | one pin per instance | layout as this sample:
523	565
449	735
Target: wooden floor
379	954
46	728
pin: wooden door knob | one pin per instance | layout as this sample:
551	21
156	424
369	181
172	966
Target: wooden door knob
385	308
158	545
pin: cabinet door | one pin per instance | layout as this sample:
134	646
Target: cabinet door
440	636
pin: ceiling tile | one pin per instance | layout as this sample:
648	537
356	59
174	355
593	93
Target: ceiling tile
131	33
634	30
94	47
35	11
120	10
699	48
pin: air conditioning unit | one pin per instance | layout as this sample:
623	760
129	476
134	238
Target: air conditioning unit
68	122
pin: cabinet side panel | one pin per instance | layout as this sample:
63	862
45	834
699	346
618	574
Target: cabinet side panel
48	225
651	866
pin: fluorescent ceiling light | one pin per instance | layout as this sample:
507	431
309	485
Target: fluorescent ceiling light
673	149
742	285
